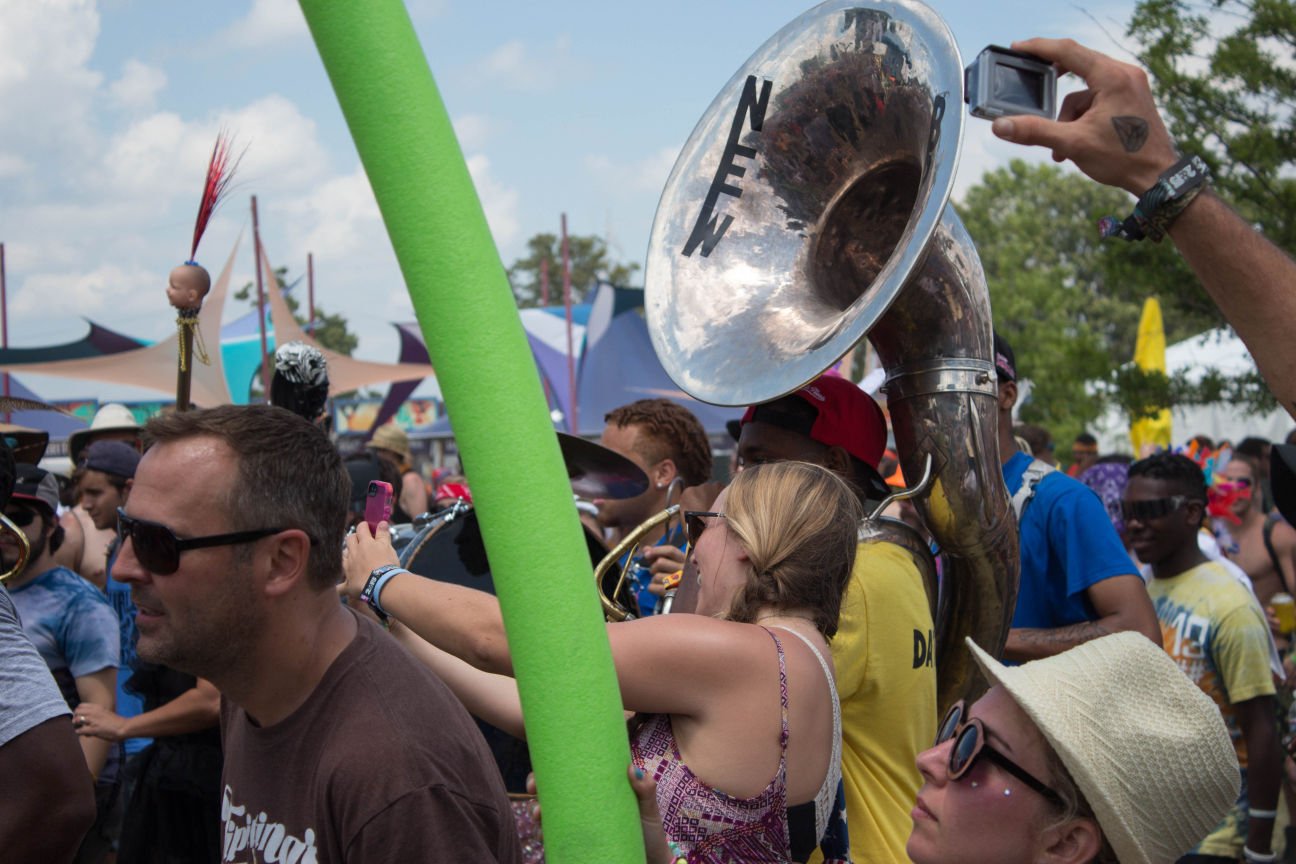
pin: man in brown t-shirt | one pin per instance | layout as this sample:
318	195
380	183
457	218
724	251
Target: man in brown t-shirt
338	746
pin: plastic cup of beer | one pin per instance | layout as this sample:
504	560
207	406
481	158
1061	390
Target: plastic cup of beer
1284	606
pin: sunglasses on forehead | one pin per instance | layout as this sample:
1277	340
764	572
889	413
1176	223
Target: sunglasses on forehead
158	548
1154	508
970	745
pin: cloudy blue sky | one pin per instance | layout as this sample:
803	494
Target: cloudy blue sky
111	107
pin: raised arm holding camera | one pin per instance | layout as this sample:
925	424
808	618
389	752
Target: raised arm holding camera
1114	134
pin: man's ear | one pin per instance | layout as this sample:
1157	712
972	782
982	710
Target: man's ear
1075	841
1195	519
288	561
838	460
1007	395
663	474
126	490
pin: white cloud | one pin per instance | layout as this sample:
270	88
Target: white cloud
12	165
46	86
339	217
281	153
138	86
73	293
518	66
645	174
473	131
268	22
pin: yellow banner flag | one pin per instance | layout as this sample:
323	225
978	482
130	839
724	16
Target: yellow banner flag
1147	434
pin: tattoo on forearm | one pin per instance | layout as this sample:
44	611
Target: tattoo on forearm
1132	132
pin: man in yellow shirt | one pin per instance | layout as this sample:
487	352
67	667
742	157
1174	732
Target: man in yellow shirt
1214	629
882	651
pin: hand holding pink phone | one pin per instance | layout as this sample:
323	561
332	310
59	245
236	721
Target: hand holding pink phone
378	504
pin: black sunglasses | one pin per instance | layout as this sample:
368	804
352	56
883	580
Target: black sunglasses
970	744
695	524
21	516
158	548
1153	509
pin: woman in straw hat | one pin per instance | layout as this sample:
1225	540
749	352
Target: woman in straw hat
739	697
1103	753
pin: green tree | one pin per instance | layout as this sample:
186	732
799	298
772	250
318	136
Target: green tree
590	262
1069	301
1222	72
330	330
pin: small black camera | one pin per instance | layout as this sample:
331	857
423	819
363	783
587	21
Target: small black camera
1001	82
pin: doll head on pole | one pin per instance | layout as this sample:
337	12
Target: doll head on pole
189	283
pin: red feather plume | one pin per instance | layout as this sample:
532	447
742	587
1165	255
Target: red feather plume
220	170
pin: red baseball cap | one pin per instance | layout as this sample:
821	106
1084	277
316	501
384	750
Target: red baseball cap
846	417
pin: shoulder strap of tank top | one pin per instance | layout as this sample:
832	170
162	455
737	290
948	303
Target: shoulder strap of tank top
1273	553
783	690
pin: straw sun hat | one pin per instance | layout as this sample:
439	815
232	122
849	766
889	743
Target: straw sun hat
392	438
1145	745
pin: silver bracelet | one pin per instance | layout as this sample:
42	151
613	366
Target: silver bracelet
1259	857
1256	813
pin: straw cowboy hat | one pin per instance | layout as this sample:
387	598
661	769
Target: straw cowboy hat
392	438
112	417
1146	746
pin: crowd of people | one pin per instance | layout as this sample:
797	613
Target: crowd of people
208	653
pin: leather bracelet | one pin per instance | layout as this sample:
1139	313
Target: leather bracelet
374	585
1158	207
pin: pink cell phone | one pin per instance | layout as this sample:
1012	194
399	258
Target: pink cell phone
378	504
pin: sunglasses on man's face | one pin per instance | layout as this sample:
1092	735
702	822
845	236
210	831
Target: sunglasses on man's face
695	524
21	516
1155	508
970	745
158	549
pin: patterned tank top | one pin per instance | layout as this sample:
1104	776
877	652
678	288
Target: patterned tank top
709	826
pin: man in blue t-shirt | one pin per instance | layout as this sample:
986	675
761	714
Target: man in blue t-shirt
1077	581
106	470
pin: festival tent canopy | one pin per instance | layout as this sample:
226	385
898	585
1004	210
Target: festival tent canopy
154	366
107	356
99	341
1215	349
345	373
616	363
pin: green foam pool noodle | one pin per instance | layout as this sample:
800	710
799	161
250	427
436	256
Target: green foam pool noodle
501	421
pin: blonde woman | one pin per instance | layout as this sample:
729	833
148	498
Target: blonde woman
739	697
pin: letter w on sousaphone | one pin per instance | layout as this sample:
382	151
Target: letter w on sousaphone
807	210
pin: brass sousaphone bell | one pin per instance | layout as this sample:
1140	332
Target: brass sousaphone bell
808	210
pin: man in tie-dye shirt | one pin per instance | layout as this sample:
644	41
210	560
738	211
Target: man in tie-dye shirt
1214	629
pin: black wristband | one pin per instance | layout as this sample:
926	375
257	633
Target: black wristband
1158	207
373	587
